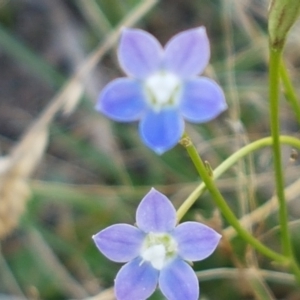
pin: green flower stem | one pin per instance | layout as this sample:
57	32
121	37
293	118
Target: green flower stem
289	91
224	208
228	163
274	80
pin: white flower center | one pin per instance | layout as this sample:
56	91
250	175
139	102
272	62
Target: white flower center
156	255
158	248
162	90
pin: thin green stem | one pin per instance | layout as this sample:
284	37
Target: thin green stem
222	205
289	91
275	60
228	163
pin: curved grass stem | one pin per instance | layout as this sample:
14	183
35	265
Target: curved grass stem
224	208
289	91
228	163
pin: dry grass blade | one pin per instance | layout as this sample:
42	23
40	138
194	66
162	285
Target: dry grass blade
9	280
292	192
107	294
232	273
14	170
67	283
258	286
17	167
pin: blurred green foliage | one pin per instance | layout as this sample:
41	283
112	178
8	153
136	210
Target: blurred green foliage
80	187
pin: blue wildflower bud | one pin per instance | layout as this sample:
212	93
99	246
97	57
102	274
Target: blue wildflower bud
282	15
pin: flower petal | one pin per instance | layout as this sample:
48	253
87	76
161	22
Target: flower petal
122	100
178	281
195	241
187	53
202	100
119	242
162	130
156	213
136	280
139	53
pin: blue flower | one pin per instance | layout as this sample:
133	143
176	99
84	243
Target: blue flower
156	251
162	88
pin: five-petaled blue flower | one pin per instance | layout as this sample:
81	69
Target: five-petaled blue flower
162	88
156	251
